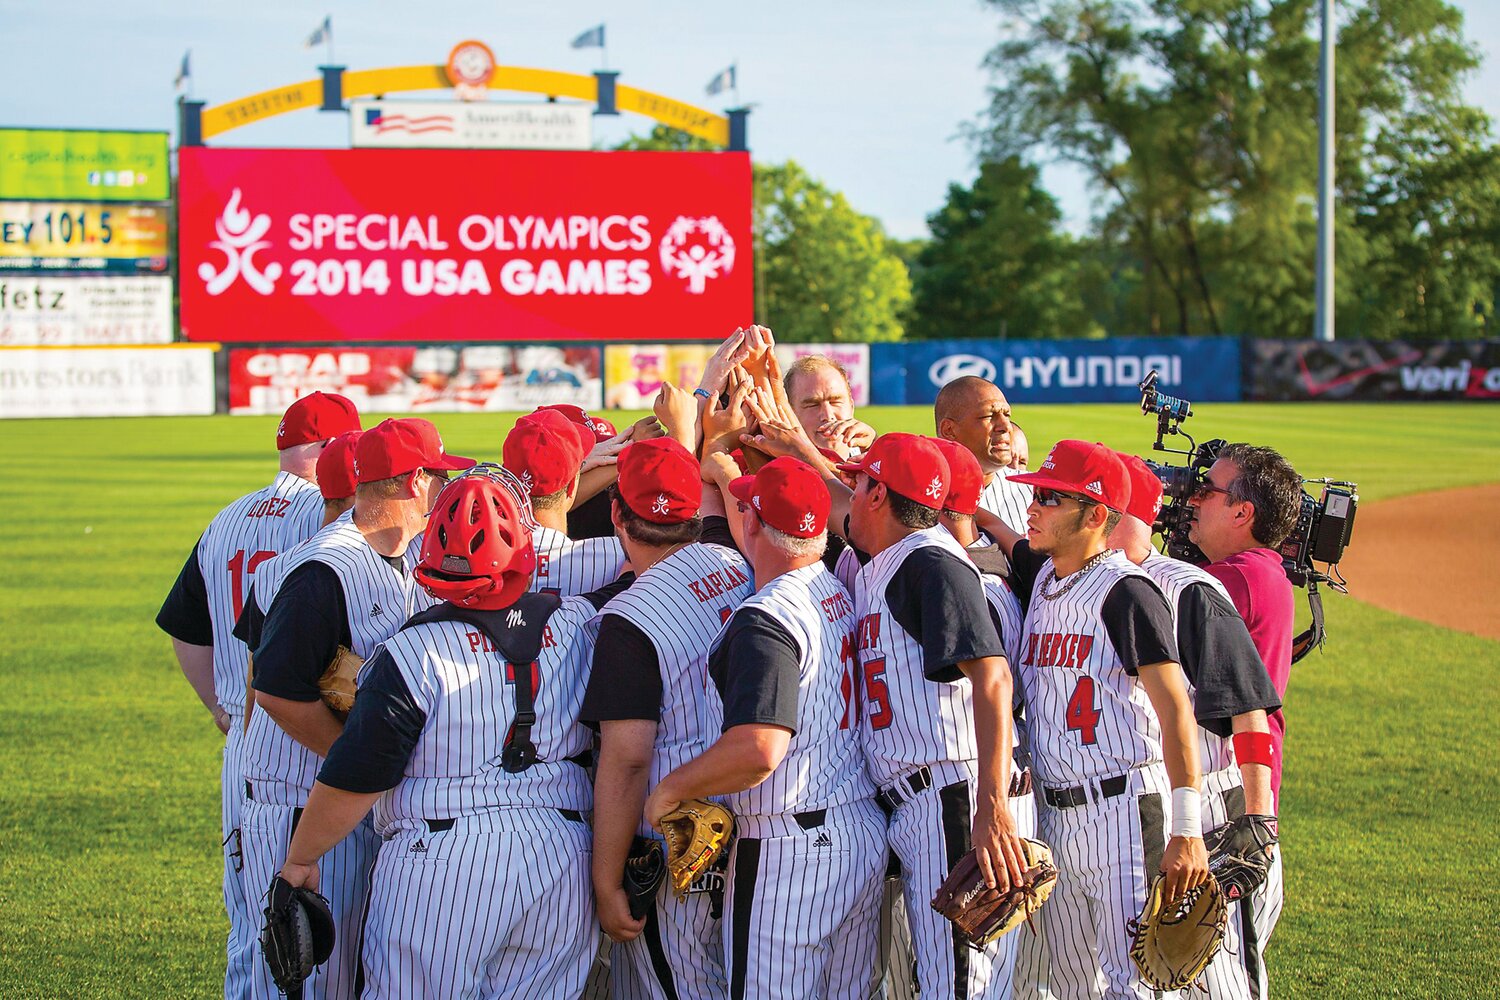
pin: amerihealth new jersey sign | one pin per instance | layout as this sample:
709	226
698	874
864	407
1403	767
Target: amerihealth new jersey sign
424	245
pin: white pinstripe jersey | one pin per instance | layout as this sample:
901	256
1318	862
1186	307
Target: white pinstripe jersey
1172	577
823	766
681	604
377	602
847	567
1007	500
1088	717
236	544
907	720
463	684
567	567
1008	609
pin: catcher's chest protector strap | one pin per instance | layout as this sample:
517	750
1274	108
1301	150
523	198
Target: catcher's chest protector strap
516	633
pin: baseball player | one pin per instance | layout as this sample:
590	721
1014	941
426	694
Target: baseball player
1232	694
1020	967
806	868
936	718
546	451
1111	727
200	611
975	413
823	402
465	741
647	695
349	586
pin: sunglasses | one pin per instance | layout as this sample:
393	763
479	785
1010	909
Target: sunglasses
1206	489
1052	498
437	474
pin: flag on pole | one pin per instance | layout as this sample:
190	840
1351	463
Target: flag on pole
184	72
724	81
591	39
323	33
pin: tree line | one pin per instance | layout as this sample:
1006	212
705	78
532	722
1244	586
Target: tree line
1195	123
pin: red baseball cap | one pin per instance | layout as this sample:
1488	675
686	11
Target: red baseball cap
1145	489
545	449
317	416
968	478
398	446
1091	470
909	464
577	415
336	467
659	480
788	495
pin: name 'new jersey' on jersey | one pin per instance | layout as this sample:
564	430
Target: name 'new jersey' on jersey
236	543
378	600
823	766
1088	717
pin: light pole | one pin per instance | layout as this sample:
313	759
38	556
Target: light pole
1323	324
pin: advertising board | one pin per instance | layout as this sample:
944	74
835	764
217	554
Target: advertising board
411	379
107	381
75	236
446	245
1372	370
84	165
470	125
87	310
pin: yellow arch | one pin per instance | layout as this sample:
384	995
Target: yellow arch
397	79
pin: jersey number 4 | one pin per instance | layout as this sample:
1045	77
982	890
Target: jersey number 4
240	566
1081	715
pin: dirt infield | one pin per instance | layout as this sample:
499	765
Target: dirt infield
1433	556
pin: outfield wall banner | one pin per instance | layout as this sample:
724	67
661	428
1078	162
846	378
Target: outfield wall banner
445	245
411	379
633	373
107	381
1372	370
470	125
1075	371
854	357
72	236
84	165
87	310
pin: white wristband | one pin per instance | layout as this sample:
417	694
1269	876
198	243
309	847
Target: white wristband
1187	813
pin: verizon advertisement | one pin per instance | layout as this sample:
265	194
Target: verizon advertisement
409	379
441	245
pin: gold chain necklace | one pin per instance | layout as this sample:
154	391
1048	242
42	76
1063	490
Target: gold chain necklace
1081	572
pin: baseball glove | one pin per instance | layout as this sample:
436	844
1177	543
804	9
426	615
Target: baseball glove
337	683
644	869
697	832
1172	944
298	935
981	914
1239	853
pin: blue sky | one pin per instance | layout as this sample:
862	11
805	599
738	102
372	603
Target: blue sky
868	96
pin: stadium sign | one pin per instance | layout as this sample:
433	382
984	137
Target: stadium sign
87	310
470	125
75	236
83	165
382	245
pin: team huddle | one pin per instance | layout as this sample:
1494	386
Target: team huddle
463	700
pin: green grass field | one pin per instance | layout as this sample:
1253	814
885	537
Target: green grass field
109	857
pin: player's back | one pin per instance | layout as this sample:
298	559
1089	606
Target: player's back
568	567
237	542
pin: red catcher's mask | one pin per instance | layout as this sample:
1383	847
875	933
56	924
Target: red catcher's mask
477	550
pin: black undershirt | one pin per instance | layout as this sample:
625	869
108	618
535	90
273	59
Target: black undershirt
184	615
938	599
1139	624
756	668
301	634
591	519
1024	567
1221	661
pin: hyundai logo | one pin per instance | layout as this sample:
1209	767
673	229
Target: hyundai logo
945	370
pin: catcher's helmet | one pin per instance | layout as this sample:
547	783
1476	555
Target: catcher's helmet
477	551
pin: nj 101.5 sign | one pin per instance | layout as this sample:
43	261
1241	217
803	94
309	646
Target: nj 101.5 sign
439	245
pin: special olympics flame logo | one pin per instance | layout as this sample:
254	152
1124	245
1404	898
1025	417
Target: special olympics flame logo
686	255
240	240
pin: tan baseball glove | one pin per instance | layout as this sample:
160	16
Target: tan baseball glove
1172	944
981	914
696	833
337	683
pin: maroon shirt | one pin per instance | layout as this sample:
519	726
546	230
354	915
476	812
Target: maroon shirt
1263	596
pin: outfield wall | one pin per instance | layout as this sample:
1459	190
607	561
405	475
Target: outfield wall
39	381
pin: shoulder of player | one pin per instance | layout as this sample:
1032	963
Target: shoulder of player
935	564
754	625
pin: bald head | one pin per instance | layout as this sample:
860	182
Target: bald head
975	413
